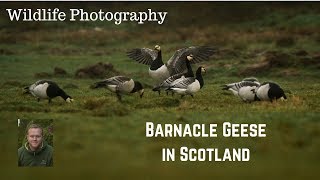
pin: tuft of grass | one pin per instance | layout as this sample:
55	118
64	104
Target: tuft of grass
94	103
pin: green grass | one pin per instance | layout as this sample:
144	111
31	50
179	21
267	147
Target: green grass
97	136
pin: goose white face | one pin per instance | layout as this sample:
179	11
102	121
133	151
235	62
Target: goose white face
190	57
69	100
157	47
203	70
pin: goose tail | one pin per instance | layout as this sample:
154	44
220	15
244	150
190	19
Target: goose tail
26	90
224	87
158	88
99	84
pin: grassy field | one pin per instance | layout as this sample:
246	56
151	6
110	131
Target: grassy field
99	137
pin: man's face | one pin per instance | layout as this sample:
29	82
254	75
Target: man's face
34	137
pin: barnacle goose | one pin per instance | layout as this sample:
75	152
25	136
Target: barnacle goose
269	91
160	71
121	85
166	83
188	86
234	87
46	89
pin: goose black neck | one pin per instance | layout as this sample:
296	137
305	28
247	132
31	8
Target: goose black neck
157	62
199	77
256	97
63	94
137	87
189	68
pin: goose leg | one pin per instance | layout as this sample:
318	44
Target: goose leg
191	95
38	99
49	101
182	96
119	96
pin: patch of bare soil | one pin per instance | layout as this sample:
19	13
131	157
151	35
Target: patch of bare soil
57	71
98	70
268	60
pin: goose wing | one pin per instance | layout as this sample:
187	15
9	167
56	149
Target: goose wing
252	79
249	83
125	86
116	80
143	55
44	81
236	86
177	63
182	82
170	80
